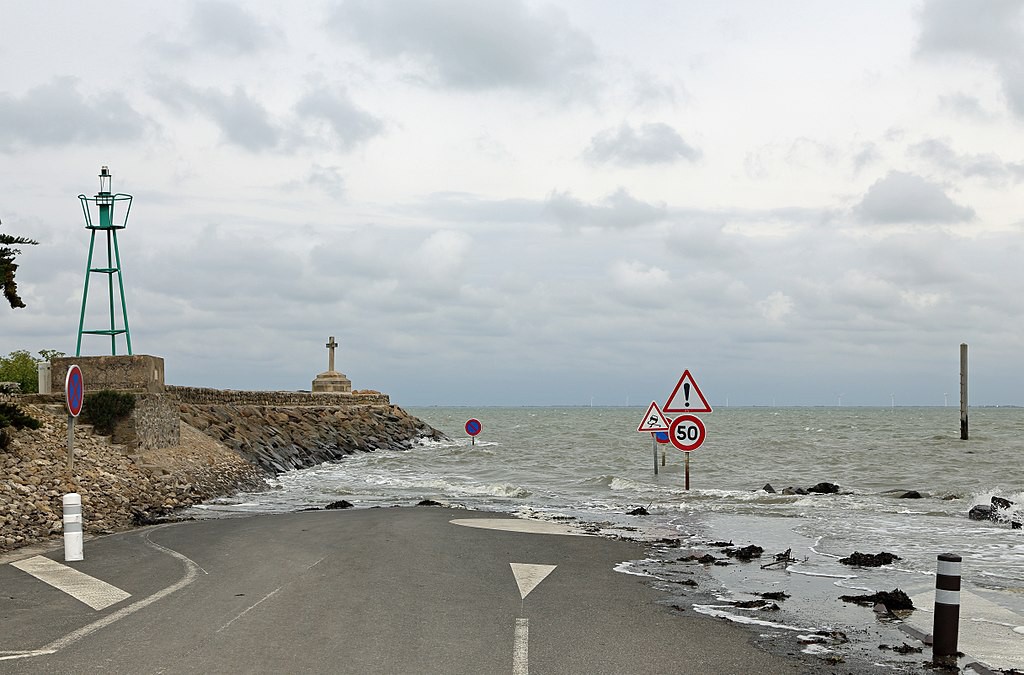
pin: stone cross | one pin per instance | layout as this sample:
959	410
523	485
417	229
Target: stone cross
331	346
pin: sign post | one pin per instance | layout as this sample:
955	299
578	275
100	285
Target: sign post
473	427
654	421
74	397
687	433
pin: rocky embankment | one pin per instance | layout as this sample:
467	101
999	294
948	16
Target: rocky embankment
279	439
224	448
118	490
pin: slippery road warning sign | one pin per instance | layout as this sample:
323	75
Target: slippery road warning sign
686	397
654	420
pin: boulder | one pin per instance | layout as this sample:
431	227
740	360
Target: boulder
982	512
768	488
824	488
893	600
1000	503
745	553
869	560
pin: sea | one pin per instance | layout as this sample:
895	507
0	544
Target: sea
589	467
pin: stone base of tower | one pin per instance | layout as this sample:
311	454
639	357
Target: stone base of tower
139	373
332	381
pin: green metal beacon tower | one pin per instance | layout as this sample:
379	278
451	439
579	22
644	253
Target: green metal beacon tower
104	204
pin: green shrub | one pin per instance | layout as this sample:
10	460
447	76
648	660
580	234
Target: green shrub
12	416
104	409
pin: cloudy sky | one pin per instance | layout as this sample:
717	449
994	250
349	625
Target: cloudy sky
524	202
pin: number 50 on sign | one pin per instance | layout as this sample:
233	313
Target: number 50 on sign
687	432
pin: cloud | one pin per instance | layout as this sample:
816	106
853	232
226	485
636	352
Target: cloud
907	198
988	166
242	120
467	44
327	179
964	105
220	28
465	207
348	123
56	114
653	143
776	307
994	36
618	210
634	275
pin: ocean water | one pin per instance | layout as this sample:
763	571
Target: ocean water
590	465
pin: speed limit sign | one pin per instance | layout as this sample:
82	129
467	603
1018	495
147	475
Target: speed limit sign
687	432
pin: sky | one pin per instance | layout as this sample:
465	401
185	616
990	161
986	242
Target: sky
531	203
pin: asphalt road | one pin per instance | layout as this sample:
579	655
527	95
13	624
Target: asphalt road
359	591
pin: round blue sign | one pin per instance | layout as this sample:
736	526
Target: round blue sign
473	427
74	390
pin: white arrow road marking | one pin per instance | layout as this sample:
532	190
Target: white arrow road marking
529	576
521	648
80	586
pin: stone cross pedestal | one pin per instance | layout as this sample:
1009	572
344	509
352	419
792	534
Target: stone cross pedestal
332	381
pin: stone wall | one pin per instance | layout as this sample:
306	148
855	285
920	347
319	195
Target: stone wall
140	373
203	396
154	423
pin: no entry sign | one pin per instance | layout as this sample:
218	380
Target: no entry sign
687	432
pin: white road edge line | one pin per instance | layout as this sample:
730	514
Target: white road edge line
96	593
246	610
521	648
192	571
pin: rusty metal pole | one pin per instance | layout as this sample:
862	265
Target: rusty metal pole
964	434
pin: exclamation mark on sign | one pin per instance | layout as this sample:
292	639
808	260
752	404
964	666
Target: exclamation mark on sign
686	393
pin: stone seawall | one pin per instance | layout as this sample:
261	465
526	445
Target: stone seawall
204	396
280	438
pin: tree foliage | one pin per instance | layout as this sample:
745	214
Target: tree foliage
8	267
19	366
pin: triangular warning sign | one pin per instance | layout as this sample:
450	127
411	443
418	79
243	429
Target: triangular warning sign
686	397
654	420
528	577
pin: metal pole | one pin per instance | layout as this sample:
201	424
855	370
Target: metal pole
85	293
663	456
110	294
120	283
963	392
71	443
946	626
687	464
654	446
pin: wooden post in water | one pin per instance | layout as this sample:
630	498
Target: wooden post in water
963	392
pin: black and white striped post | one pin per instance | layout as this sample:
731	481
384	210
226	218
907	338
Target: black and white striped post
946	628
